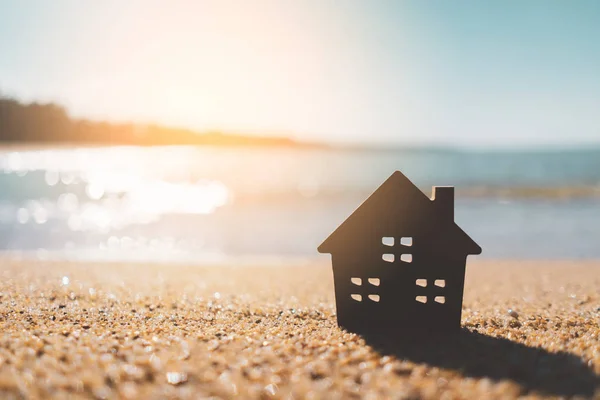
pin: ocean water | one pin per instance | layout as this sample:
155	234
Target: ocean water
189	204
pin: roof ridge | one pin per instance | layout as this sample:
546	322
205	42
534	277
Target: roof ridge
396	180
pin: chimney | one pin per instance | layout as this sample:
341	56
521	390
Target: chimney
443	198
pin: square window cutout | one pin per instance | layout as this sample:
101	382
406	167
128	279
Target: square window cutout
388	257
421	299
356	297
422	282
387	240
374	281
406	241
407	258
440	282
356	281
440	299
374	297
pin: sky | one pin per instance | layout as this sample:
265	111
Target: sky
466	73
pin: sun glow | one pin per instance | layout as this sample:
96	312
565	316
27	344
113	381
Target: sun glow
257	67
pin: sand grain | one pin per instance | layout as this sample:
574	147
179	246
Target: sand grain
154	331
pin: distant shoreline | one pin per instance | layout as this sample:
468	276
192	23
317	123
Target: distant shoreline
49	125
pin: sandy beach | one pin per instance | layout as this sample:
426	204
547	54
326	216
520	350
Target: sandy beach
74	330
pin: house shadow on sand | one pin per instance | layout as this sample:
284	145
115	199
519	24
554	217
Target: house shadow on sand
480	356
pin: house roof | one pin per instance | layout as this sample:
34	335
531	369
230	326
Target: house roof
397	201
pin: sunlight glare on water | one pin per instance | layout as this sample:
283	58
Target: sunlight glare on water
111	191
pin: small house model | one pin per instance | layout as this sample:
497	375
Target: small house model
399	261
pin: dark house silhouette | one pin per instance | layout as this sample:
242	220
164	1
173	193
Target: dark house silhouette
399	261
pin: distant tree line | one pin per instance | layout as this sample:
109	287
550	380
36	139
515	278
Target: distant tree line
51	123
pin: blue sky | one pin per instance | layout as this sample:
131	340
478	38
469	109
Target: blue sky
468	73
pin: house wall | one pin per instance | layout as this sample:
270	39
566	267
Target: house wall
397	307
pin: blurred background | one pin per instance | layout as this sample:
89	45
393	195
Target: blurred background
209	131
